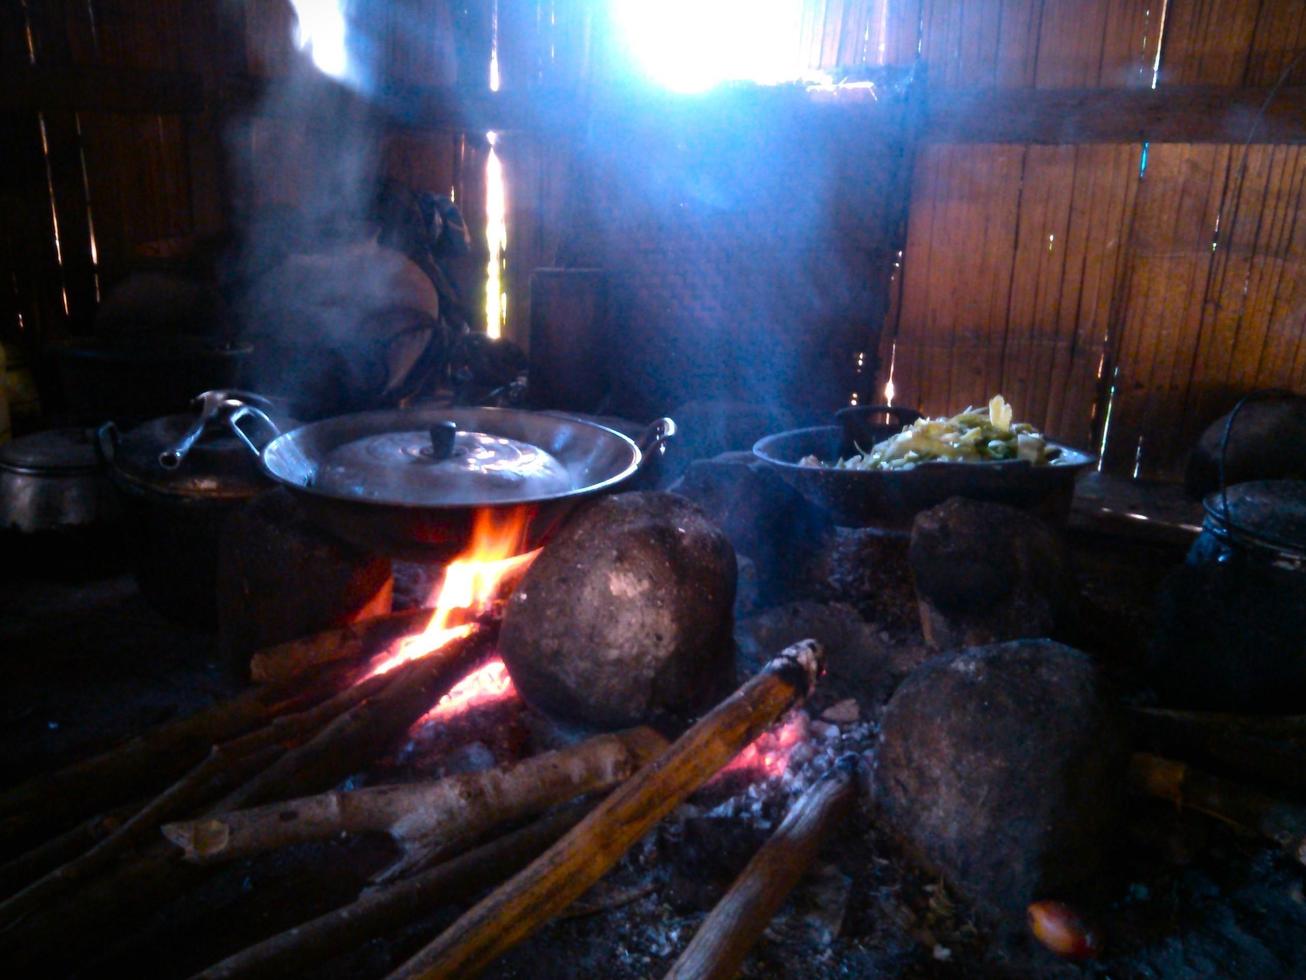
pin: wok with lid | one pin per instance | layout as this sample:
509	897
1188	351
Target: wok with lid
410	483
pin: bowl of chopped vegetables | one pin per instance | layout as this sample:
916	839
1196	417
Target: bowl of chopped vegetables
980	453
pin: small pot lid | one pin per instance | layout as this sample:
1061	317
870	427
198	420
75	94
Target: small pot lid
57	452
1271	511
441	466
218	465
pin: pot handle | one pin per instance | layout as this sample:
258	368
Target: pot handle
212	405
255	441
653	440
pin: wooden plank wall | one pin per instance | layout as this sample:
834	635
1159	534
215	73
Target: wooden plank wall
1161	280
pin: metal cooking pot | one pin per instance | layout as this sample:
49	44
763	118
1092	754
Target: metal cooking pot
410	483
892	498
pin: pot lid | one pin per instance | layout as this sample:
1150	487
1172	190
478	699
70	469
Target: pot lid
218	465
1271	511
441	466
57	452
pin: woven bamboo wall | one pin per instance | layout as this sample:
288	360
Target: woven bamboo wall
1159	280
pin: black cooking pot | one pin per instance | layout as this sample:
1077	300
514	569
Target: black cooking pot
411	483
174	514
1231	620
892	498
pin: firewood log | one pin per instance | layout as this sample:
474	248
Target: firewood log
730	930
1234	804
41	860
555	879
357	736
451	811
386	908
111	901
1270	747
214	776
349	643
50	803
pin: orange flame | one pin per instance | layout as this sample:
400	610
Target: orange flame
470	582
487	684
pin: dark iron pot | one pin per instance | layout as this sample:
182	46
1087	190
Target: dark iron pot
411	483
891	498
1232	619
174	514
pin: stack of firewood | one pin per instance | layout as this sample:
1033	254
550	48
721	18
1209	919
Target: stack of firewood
146	822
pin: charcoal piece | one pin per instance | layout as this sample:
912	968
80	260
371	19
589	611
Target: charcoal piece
987	572
766	520
1001	767
626	615
282	577
1267	442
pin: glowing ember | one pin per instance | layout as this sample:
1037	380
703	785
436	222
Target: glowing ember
488	684
769	753
471	582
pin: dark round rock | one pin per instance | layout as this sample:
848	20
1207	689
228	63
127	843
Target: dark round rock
626	615
986	572
1001	768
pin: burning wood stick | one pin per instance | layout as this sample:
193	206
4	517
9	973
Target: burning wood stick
555	879
449	811
369	727
730	930
1167	779
146	762
380	909
287	661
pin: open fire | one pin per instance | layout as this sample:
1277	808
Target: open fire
470	584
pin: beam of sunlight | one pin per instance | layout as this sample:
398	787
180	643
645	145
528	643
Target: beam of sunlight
694	45
321	32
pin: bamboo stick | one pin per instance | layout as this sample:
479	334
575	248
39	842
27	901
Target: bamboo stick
554	880
380	909
1234	804
444	813
727	934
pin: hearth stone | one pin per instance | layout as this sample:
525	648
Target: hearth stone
281	577
1001	768
626	615
986	572
765	519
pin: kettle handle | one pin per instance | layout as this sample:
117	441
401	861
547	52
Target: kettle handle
106	442
255	441
653	440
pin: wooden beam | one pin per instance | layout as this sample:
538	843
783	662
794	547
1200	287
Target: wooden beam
28	89
1173	114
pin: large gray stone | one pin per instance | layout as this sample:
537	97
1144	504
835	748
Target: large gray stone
626	614
1001	768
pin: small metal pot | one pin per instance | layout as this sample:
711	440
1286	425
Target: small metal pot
53	481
